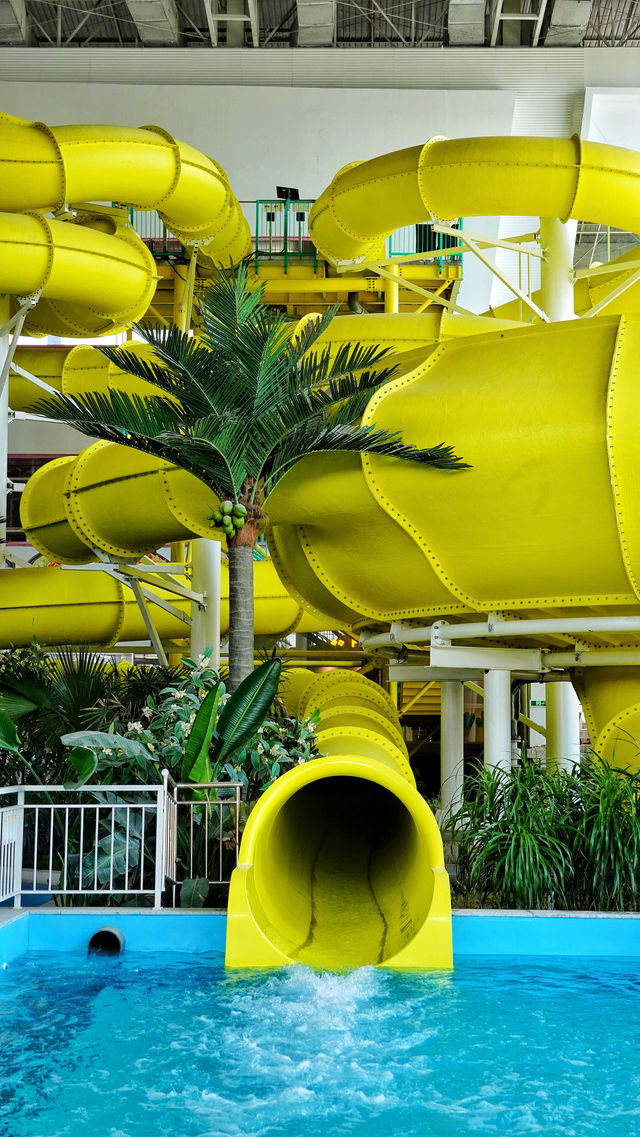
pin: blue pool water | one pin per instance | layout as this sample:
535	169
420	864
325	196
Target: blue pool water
174	1047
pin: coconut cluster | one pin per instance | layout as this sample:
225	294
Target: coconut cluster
230	517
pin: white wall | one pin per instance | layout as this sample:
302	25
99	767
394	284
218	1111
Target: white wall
268	136
265	136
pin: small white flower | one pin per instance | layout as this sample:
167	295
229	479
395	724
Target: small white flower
301	762
107	750
260	748
150	746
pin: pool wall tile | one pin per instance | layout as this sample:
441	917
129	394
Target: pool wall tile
475	933
546	933
71	930
14	933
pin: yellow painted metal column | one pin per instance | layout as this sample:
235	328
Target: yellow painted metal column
205	622
392	291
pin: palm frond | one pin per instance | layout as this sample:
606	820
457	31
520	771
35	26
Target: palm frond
317	369
180	366
311	331
230	302
119	412
359	439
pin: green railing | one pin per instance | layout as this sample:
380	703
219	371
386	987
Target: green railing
413	240
282	230
282	233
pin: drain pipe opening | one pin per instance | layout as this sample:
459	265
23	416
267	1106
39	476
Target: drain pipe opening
106	941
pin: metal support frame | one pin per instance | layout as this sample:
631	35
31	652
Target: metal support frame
411	286
474	248
133	576
562	726
451	745
613	294
215	17
499	16
497	719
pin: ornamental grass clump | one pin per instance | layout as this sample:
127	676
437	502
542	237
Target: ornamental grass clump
564	840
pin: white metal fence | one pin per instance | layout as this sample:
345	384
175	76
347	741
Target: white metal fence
119	842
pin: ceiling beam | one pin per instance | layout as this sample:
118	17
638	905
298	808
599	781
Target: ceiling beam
15	25
157	21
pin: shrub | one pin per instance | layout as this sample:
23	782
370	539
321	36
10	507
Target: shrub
527	839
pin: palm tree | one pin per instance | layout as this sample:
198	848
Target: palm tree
237	407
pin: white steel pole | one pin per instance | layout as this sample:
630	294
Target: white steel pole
4	440
497	720
556	281
563	726
451	745
205	622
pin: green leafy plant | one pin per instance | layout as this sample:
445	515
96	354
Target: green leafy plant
566	840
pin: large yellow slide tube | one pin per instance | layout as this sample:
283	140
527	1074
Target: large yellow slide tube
341	863
57	607
92	272
449	178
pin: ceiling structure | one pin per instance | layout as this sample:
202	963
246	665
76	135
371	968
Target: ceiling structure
74	24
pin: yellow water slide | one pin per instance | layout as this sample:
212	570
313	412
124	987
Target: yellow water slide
341	862
91	272
547	521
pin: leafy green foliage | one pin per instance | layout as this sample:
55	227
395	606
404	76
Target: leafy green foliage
245	711
51	694
196	763
571	841
194	892
85	763
8	734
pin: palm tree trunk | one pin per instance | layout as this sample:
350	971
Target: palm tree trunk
241	605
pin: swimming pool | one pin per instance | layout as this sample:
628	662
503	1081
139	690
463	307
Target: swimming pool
152	1046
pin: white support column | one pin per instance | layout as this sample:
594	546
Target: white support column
205	622
451	745
497	720
563	727
556	280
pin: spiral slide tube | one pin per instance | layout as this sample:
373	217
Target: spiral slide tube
341	862
93	273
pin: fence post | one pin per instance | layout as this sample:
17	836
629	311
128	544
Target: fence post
17	878
160	816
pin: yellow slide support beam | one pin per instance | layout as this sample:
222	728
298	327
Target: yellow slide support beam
341	862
